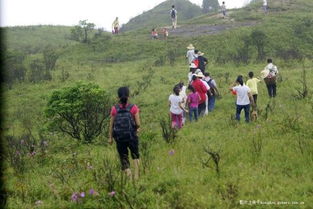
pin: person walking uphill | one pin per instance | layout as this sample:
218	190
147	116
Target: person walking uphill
270	73
176	108
173	13
124	126
252	83
244	98
190	53
115	26
202	91
202	62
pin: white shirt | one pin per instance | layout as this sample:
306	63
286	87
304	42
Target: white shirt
175	100
272	68
190	55
264	2
206	85
242	94
183	95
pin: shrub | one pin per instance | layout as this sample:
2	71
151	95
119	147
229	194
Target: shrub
50	57
38	72
258	39
80	111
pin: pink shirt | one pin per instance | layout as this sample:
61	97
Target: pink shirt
193	99
134	110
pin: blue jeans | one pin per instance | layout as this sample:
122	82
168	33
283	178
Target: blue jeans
211	103
246	109
194	111
271	88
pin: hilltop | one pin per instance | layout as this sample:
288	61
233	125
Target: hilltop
160	15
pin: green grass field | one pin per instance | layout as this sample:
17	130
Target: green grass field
264	162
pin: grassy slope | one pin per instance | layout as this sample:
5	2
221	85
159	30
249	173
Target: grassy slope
279	172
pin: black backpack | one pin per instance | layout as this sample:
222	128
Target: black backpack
173	13
212	87
124	126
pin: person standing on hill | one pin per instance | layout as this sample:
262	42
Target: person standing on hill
190	53
265	7
124	126
115	26
193	102
252	83
173	14
244	98
202	62
270	71
223	8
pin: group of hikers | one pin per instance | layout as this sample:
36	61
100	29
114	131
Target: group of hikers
200	100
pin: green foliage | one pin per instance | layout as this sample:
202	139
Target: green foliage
38	71
50	57
80	111
80	32
258	38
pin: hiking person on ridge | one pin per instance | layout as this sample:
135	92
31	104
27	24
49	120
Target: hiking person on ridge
115	26
124	126
265	7
173	13
223	9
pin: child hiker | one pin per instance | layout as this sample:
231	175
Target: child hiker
252	83
124	126
176	108
193	102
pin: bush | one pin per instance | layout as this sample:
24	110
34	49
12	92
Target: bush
81	111
38	72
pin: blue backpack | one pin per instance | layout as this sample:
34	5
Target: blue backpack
173	13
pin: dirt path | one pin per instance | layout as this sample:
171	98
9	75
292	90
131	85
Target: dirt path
196	30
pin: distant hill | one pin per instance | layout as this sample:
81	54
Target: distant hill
32	39
160	15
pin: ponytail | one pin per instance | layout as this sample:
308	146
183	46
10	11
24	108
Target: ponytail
123	94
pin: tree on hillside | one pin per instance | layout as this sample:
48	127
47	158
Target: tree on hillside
50	57
210	5
258	39
81	111
80	31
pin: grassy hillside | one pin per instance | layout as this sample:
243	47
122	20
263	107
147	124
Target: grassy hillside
32	39
160	15
265	162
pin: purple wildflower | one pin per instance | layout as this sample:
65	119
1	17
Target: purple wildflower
171	152
82	194
75	197
93	192
112	193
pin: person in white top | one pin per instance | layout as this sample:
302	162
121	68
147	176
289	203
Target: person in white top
223	8
176	108
190	53
270	78
265	6
183	96
244	98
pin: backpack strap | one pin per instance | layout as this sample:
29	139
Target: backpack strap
129	107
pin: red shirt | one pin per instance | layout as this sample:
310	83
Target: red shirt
134	110
201	89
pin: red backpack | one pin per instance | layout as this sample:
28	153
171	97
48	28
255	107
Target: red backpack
196	62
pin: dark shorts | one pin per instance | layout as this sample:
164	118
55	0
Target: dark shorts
122	148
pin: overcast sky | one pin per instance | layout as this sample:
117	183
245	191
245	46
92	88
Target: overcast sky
69	12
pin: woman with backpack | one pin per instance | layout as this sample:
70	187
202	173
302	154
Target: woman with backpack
124	126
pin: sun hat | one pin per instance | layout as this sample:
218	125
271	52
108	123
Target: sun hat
198	71
200	53
200	75
190	46
192	65
265	73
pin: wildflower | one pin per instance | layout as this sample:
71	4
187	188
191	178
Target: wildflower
22	141
75	197
171	152
89	167
82	194
93	192
17	153
38	202
33	154
112	193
